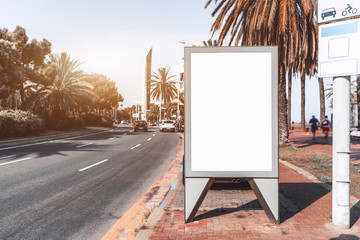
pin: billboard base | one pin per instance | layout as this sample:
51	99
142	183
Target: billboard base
266	191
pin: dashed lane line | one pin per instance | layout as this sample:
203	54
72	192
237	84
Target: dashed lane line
135	146
84	145
149	139
83	169
15	161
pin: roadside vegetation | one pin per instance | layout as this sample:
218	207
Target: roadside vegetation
44	90
318	164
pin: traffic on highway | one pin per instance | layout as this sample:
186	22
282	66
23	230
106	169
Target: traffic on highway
78	187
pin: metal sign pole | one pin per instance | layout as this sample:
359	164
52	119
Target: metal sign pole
341	152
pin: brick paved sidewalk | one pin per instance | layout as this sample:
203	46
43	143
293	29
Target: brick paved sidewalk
232	214
320	144
231	211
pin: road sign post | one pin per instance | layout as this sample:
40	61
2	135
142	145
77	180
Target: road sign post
341	152
339	57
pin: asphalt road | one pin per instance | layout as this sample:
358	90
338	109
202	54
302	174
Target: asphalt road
78	188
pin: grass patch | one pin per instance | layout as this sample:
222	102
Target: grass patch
318	164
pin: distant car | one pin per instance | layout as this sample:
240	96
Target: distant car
355	135
124	122
328	12
140	125
167	125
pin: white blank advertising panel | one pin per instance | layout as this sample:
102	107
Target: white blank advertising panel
232	111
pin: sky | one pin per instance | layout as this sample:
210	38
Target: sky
113	37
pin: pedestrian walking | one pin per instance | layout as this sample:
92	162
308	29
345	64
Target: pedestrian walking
314	125
325	123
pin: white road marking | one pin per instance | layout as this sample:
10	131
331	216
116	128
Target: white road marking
7	157
52	141
154	135
131	131
83	169
84	145
112	138
124	134
135	146
149	139
20	160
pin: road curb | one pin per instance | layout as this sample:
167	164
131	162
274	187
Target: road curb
140	220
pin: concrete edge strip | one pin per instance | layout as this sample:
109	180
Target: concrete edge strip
134	218
353	200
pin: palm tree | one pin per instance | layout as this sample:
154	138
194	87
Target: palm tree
211	43
308	57
68	92
163	88
289	98
358	97
322	98
153	112
302	83
353	90
263	23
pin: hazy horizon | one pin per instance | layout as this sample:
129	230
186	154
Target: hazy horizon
113	37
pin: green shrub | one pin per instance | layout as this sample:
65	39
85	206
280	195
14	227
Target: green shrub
19	123
92	119
59	120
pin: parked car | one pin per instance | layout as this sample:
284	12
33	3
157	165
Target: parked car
167	125
140	125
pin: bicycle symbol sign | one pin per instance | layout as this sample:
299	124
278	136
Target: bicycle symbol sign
333	10
349	10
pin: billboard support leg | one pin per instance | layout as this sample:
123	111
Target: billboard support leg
195	192
267	193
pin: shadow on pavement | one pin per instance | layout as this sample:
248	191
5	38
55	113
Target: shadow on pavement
253	205
346	236
304	143
354	215
302	195
52	149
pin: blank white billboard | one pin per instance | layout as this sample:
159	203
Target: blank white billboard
231	112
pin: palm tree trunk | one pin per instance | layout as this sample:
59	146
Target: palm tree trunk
283	120
160	106
358	98
289	98
322	98
160	112
303	101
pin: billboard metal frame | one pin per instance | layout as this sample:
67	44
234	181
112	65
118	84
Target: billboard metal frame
265	184
275	161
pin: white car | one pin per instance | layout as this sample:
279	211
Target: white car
355	135
167	125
